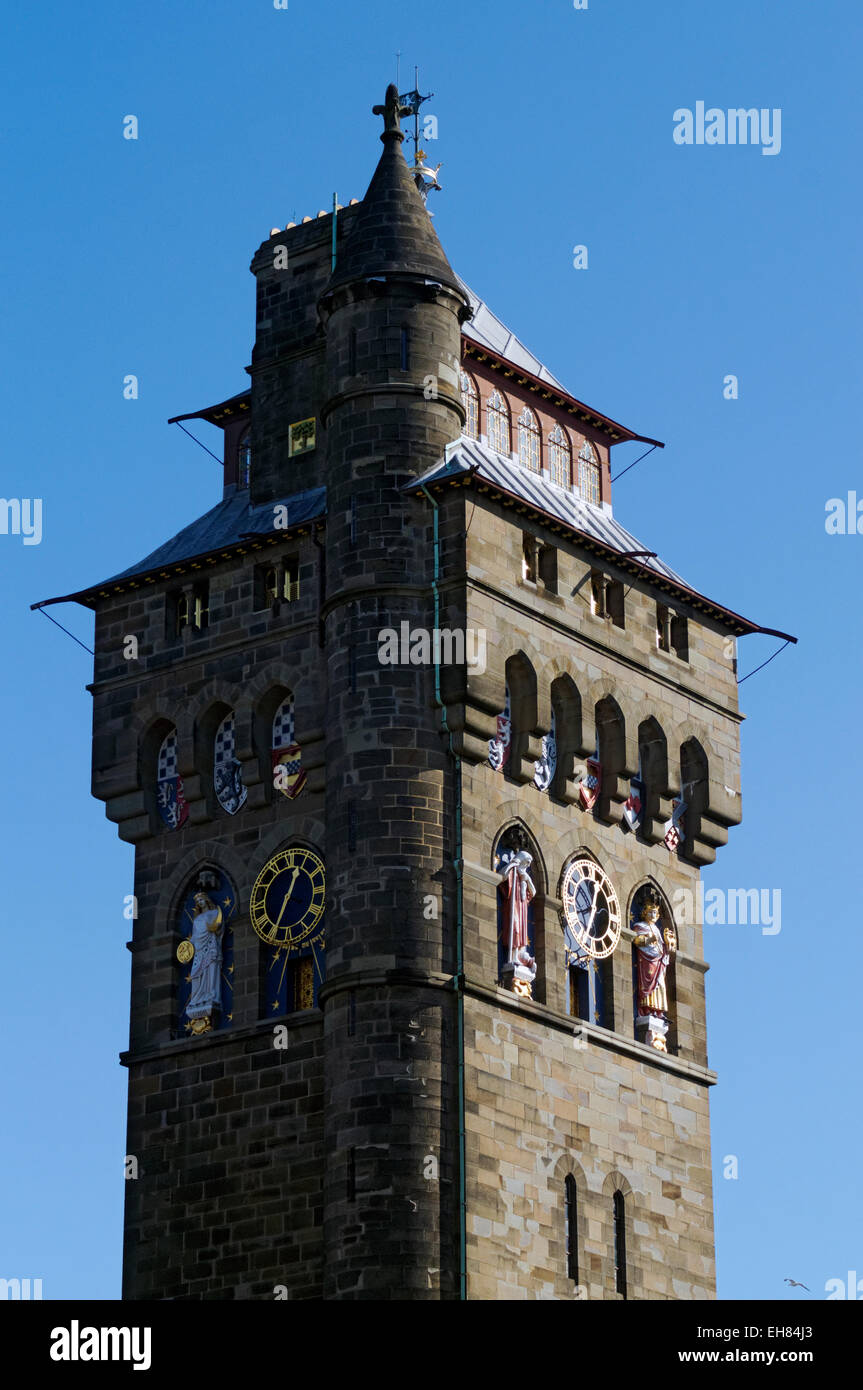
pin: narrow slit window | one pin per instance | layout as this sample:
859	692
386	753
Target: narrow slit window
620	1244
571	1194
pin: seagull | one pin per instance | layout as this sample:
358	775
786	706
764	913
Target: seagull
795	1284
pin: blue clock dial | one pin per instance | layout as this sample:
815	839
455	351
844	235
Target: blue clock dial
287	901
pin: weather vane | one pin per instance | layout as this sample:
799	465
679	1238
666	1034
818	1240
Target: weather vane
425	178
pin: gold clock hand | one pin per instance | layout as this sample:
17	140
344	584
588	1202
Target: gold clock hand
284	905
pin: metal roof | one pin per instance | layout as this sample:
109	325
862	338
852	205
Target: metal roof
486	328
471	459
228	524
470	455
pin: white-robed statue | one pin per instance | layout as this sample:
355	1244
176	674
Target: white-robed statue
206	972
519	969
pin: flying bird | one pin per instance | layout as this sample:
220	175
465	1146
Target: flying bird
795	1284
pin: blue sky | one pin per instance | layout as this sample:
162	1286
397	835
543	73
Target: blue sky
555	129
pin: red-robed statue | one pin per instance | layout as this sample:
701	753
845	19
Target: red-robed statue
655	948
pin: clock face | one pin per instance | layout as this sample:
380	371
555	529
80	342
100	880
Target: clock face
591	912
287	901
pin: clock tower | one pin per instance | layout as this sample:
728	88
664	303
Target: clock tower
421	753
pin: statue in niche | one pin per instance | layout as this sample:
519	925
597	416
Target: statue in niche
519	969
655	946
544	770
204	948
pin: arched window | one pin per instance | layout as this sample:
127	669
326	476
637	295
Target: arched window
470	401
169	784
588	474
570	1199
244	460
528	440
227	769
560	458
619	1215
206	953
497	429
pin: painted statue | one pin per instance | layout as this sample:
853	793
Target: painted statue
206	971
519	970
545	769
655	947
500	747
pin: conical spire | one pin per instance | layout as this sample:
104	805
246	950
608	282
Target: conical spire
393	234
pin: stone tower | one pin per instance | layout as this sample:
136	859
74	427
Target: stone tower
413	740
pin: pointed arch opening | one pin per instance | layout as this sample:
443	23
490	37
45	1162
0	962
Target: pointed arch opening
694	784
521	684
611	751
654	975
567	729
653	770
521	894
204	952
279	754
164	795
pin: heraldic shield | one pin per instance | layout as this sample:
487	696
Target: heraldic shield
590	784
169	786
288	775
633	806
227	770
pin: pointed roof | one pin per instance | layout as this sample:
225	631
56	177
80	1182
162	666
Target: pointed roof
392	232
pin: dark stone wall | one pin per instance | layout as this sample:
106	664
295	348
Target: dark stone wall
389	1016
